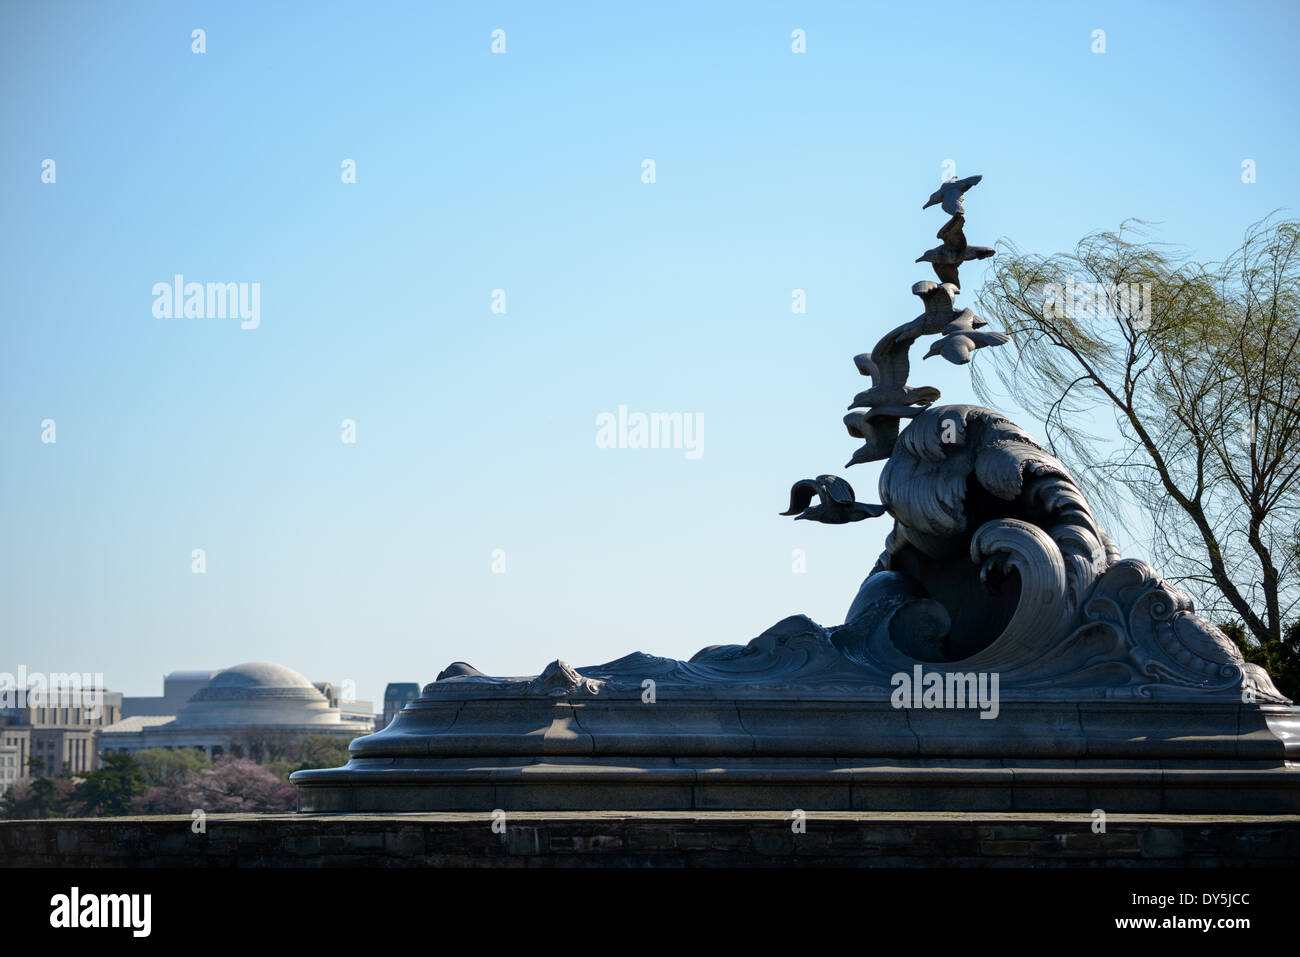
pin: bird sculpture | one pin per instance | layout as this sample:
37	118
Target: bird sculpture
957	346
888	364
876	413
950	194
955	250
836	505
994	554
964	321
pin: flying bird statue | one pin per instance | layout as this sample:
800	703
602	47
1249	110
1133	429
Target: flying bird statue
950	194
957	346
876	413
964	321
836	505
888	363
946	258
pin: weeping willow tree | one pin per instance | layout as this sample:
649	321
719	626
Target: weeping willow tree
1198	366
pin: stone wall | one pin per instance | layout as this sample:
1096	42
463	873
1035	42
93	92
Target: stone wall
621	839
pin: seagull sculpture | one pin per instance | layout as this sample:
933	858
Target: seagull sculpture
888	363
964	321
875	413
957	346
836	505
950	194
946	258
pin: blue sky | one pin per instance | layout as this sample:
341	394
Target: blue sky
373	561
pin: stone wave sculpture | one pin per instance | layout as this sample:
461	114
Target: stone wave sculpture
995	562
1000	655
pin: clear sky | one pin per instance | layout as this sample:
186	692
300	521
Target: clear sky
373	561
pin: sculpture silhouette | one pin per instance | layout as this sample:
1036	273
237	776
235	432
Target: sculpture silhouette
994	570
994	552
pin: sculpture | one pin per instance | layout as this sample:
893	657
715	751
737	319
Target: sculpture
977	503
995	568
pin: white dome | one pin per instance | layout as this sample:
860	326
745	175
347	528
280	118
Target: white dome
257	693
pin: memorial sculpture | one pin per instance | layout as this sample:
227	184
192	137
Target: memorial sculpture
998	595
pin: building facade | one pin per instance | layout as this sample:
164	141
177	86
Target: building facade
246	710
350	709
11	768
396	697
178	688
60	734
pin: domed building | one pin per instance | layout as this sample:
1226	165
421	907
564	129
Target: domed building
238	711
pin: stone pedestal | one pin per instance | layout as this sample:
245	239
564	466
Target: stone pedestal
474	746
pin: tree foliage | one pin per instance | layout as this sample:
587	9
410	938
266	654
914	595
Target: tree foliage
1282	663
286	752
110	789
37	797
1199	372
164	766
154	781
229	785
